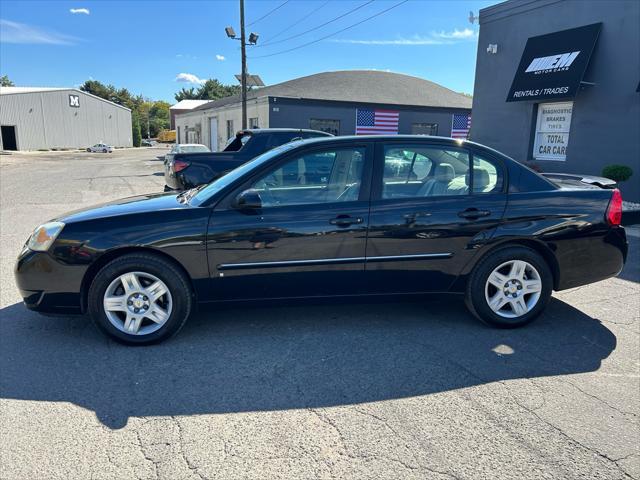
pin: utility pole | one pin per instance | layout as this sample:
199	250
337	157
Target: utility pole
253	39
244	66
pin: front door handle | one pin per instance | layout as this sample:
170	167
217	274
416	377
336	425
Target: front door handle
472	213
345	220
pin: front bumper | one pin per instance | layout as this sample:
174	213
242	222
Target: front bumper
46	285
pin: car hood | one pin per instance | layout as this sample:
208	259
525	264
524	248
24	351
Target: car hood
126	206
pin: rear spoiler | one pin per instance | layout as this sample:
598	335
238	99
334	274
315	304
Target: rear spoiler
589	181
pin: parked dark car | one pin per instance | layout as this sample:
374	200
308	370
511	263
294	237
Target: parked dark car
187	170
328	218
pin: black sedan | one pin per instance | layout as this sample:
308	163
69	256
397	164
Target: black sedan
328	218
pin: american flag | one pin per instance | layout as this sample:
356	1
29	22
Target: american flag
376	122
460	125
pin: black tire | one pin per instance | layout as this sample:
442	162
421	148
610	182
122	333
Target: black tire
174	279
475	293
89	150
104	150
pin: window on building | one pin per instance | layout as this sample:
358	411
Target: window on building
325	125
418	171
253	123
230	131
552	131
318	177
424	129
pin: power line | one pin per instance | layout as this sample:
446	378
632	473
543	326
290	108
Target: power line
319	26
269	12
300	20
334	33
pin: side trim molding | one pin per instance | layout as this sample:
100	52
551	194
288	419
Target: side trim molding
331	261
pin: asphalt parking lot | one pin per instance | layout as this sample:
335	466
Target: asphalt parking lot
353	391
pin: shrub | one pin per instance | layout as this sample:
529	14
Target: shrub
137	136
618	173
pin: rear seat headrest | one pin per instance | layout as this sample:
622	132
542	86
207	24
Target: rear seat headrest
444	172
480	179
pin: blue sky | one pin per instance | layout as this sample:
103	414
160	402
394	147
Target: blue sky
145	46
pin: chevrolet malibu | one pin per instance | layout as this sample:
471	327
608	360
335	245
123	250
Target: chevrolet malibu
327	218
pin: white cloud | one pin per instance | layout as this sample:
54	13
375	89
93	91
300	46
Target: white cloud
222	58
189	78
435	38
84	11
456	34
15	32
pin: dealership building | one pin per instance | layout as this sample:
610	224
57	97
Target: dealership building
60	118
334	102
558	85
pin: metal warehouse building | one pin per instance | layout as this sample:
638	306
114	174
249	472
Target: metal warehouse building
329	102
557	84
60	118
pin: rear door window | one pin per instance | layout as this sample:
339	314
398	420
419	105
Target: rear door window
424	171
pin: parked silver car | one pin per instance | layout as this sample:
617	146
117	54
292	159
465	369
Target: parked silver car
100	147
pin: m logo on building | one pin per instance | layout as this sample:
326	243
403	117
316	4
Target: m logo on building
552	63
74	101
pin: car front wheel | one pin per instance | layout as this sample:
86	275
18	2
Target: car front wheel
89	150
140	299
510	287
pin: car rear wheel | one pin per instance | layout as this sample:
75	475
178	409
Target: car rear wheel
89	150
104	150
140	299
510	287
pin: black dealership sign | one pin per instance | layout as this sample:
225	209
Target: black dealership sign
552	65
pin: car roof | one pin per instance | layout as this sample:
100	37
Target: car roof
254	131
427	139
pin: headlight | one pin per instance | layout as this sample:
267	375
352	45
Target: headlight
43	236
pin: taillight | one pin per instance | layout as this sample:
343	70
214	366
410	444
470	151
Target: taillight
614	210
179	165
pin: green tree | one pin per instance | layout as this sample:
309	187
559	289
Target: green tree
212	89
135	126
6	82
159	117
185	94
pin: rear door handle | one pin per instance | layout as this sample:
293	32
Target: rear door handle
473	213
345	220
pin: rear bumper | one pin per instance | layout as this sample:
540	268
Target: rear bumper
46	285
592	258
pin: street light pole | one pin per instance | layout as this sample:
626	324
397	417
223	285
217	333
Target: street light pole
244	66
253	39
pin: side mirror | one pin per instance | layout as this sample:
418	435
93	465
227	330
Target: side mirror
248	200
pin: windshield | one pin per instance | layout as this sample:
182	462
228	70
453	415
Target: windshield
193	149
217	185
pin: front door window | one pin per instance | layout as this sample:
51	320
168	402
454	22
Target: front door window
317	177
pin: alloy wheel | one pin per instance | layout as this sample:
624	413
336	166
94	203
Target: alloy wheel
513	289
137	303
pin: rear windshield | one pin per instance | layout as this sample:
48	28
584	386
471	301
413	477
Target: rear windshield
193	149
236	143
